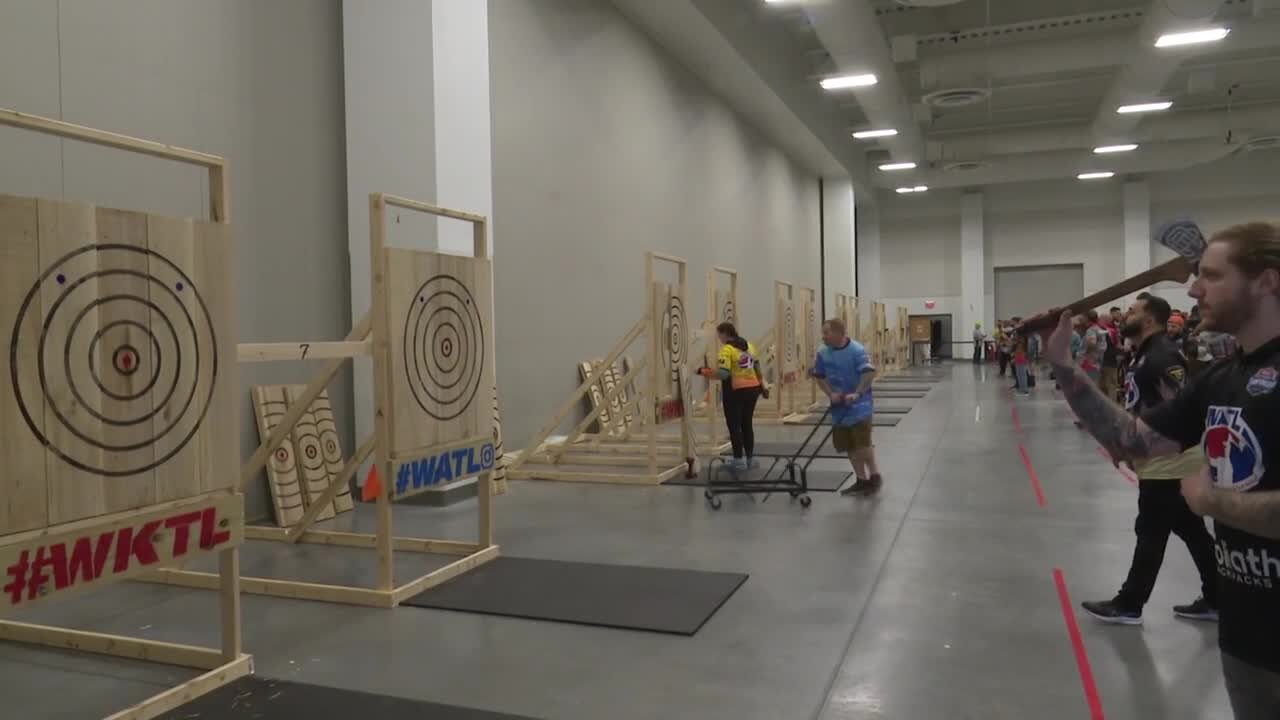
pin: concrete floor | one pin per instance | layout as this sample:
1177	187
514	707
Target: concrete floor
935	600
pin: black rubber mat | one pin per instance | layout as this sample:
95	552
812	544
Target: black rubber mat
816	418
819	480
901	387
881	410
631	597
258	698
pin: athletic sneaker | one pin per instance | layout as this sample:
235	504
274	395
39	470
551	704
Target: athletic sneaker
870	486
1109	612
753	463
1198	610
735	465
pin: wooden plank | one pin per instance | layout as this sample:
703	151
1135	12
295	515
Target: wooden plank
59	128
22	485
500	456
76	456
361	540
441	348
62	562
606	460
290	589
176	697
383	412
284	477
121	355
590	369
444	574
229	603
277	352
430	209
596	477
120	646
322	408
219	434
310	454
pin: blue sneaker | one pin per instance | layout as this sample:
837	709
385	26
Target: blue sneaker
1109	612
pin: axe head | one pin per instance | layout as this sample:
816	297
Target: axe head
1182	236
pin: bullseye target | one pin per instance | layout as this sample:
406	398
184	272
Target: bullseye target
444	347
124	352
789	334
675	336
727	313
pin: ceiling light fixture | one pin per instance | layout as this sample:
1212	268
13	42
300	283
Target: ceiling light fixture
1095	175
1145	107
898	166
1193	37
868	134
1104	149
848	81
914	189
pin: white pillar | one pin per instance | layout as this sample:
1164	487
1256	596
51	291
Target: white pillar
972	268
1137	229
463	142
839	233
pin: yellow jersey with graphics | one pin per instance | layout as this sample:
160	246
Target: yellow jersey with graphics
741	365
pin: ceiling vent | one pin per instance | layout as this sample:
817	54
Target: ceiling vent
956	97
928	3
966	166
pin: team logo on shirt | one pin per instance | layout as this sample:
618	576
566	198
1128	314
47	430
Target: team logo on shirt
1131	393
745	361
1262	382
1232	450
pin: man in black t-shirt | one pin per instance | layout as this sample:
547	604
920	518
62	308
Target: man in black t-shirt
1231	411
1156	371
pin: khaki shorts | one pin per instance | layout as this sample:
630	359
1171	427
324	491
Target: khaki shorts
851	437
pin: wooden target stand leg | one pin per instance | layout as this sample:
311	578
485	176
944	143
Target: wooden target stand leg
656	458
370	336
222	510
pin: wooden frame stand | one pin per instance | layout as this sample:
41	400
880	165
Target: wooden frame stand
107	507
653	393
422	434
788	349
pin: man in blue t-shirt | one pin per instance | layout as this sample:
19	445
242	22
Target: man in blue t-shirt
844	371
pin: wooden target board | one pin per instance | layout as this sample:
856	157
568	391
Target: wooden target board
788	342
120	377
440	354
726	310
671	332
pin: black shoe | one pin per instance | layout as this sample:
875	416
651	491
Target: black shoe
859	487
1109	612
1198	610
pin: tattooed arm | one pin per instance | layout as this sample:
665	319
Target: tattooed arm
1254	512
1123	435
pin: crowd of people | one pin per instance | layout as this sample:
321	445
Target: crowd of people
1098	344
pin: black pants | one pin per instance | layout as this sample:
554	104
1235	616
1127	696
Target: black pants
1004	362
977	353
739	411
1163	510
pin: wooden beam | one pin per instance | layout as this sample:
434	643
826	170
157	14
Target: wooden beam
602	478
291	589
362	540
276	352
319	382
191	656
430	209
567	406
176	697
49	126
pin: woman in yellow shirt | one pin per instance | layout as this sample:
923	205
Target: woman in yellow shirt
738	369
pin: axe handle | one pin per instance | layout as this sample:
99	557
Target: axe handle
1175	270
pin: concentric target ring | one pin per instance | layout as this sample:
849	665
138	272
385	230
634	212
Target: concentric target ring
789	334
674	331
727	313
70	285
444	347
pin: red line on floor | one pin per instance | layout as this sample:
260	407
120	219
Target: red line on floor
1017	420
1120	469
1077	644
1031	473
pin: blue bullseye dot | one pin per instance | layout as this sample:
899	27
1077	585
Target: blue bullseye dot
62	279
179	286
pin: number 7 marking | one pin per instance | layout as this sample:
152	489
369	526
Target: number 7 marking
305	347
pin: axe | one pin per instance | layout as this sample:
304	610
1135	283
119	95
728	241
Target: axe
1181	236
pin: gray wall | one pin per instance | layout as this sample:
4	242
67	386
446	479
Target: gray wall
257	82
605	148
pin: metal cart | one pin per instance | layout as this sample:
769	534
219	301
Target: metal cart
784	474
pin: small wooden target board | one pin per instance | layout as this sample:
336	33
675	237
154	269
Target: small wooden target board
119	380
788	352
440	363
